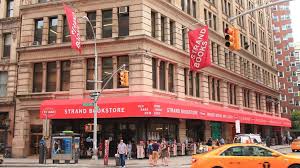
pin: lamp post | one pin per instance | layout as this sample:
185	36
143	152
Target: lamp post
95	93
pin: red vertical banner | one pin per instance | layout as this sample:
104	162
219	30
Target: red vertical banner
199	48
73	27
106	152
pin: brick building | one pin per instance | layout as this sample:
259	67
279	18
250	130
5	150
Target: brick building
285	59
164	99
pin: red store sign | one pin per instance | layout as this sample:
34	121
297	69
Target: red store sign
143	106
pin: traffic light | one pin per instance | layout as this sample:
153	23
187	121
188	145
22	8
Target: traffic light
124	78
232	37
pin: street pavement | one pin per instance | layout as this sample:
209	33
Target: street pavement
174	162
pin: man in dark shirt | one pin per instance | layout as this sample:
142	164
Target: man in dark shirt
155	147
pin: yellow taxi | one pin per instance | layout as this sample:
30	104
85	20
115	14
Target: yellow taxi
295	145
244	156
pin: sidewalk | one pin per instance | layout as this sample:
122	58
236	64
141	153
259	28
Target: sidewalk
174	162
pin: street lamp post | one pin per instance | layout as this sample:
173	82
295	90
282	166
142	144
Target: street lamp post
95	94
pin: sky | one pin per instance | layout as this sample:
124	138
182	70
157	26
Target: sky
295	14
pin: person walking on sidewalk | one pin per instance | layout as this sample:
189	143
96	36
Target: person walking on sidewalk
129	147
122	151
150	152
164	152
155	147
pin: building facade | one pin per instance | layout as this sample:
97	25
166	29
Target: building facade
9	33
285	59
164	98
297	60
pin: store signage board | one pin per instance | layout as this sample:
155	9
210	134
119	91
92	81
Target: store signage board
237	126
146	106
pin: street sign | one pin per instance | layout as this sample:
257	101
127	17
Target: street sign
237	126
87	104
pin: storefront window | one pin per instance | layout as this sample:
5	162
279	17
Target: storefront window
157	131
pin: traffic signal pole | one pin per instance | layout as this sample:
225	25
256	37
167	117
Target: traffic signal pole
258	8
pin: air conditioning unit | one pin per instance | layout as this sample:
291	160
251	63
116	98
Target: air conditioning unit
123	10
36	43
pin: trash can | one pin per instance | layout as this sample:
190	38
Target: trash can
117	158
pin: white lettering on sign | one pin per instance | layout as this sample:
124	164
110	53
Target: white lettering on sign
75	30
101	110
199	49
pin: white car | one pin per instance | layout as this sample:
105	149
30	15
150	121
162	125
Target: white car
247	138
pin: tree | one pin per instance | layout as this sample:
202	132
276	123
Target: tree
295	117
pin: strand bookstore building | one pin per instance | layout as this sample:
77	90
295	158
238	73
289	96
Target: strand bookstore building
164	98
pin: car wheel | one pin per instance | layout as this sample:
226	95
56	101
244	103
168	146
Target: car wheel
295	166
293	150
217	167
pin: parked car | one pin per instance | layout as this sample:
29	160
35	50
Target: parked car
295	146
248	138
244	156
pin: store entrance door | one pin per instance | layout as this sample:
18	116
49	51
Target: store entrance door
216	130
36	134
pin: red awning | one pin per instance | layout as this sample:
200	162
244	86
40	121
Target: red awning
144	106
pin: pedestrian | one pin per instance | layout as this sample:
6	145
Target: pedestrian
217	143
129	147
155	147
222	141
150	152
164	152
209	142
268	141
122	151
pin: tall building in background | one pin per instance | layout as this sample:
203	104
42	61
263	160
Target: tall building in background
297	60
285	59
164	98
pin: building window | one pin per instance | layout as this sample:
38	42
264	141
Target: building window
90	71
37	77
51	77
258	101
197	85
107	69
232	94
3	83
191	84
65	76
38	32
107	23
162	75
183	31
214	89
172	27
194	9
153	24
52	34
10	8
66	34
246	98
185	80
171	78
124	22
154	73
121	61
89	29
162	29
7	45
